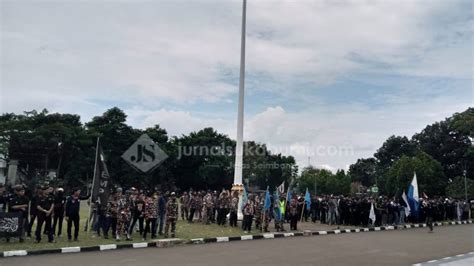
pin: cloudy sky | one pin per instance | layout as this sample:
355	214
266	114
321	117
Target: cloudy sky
322	75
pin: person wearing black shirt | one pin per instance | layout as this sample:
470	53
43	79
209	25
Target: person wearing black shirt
138	212
33	210
19	203
58	214
429	212
73	204
45	207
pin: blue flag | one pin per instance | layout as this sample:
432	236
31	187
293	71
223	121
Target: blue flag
244	198
307	199
276	209
267	203
413	197
289	195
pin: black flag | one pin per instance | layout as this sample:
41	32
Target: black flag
101	177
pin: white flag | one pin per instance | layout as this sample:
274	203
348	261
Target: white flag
372	213
405	199
281	188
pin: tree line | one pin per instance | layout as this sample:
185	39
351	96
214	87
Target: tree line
441	154
43	141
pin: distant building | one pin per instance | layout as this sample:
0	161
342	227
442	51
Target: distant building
3	171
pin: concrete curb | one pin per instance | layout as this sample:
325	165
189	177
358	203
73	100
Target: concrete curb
164	243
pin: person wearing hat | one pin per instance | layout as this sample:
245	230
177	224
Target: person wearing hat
19	203
171	215
58	214
45	210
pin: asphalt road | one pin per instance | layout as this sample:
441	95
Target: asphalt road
401	247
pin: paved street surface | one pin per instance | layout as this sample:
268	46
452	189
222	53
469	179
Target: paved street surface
401	247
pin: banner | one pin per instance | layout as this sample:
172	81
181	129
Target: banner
101	177
11	224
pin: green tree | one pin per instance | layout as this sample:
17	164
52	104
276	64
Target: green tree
115	138
42	142
204	160
456	188
393	149
429	172
448	142
363	171
322	181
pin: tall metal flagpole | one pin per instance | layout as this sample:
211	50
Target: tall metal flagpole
238	186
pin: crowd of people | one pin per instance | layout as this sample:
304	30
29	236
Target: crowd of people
50	206
156	213
388	211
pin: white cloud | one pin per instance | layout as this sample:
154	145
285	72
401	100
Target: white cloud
175	122
172	62
175	51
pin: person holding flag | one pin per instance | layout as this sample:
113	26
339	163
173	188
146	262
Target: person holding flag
307	203
266	211
405	209
372	216
414	198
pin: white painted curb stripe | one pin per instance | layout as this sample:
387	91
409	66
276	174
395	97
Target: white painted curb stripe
348	230
288	234
322	232
268	236
246	237
337	232
15	253
140	245
70	249
222	239
108	247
